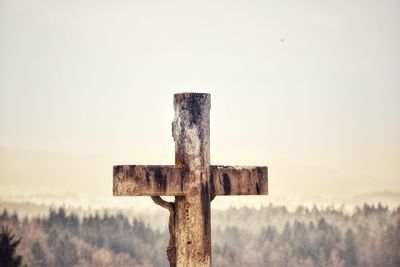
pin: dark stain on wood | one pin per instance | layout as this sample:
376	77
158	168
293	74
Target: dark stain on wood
183	176
212	186
257	189
161	180
201	137
226	184
194	107
130	170
117	170
205	200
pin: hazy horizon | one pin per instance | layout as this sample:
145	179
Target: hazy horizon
310	90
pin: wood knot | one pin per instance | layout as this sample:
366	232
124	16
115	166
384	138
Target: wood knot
194	191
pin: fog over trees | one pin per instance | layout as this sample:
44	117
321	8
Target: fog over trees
269	236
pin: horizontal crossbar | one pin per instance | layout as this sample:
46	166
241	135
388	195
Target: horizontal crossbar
168	180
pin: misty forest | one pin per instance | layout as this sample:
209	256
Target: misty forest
269	236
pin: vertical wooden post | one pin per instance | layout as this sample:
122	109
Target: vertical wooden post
191	132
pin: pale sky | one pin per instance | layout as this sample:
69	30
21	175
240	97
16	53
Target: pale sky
310	89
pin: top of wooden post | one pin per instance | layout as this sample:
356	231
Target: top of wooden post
191	130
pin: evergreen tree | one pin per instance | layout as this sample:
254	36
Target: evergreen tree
8	247
4	216
350	249
14	218
301	242
286	233
396	245
65	252
53	237
39	254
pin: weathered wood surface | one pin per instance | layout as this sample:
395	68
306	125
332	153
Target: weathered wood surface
232	180
166	180
191	132
150	180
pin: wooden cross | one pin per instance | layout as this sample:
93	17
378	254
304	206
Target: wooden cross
192	180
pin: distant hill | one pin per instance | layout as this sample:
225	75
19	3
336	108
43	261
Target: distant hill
386	197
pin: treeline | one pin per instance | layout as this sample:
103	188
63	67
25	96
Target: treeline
306	237
65	240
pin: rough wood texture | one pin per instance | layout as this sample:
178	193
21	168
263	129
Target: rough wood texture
231	180
152	180
191	132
